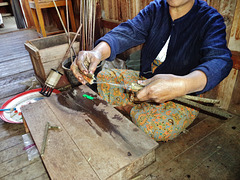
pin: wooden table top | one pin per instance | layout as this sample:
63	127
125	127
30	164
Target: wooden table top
95	140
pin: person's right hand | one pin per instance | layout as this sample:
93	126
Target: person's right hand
87	62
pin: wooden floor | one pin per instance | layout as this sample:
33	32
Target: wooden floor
15	68
9	24
208	149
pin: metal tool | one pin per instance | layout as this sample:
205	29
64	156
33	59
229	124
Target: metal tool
47	128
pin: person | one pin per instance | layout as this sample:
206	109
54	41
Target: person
184	52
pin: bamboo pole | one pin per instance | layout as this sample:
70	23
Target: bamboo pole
213	110
69	41
94	21
65	30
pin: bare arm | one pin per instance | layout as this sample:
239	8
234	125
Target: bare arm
164	87
94	57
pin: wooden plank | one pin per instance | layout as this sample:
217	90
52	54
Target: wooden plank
110	24
17	55
10	166
6	68
16	78
27	13
95	130
51	41
25	34
213	148
168	151
12	152
8	130
11	55
13	89
3	100
236	59
235	101
9	44
188	139
56	53
31	171
13	85
234	42
42	177
69	163
126	139
226	9
11	141
225	89
224	163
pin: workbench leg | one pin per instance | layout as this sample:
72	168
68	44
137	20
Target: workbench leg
25	126
72	16
62	12
41	21
35	19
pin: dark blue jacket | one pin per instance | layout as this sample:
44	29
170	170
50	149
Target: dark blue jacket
198	41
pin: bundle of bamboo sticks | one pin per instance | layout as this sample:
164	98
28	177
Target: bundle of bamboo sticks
87	19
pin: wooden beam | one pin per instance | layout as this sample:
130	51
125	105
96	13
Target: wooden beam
236	59
110	24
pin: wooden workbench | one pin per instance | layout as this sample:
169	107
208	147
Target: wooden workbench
95	140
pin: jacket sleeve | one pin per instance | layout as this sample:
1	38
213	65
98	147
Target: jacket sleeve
216	60
130	33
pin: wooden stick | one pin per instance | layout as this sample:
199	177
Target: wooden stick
83	23
45	138
69	41
80	22
187	99
65	30
60	17
64	57
94	22
200	99
213	110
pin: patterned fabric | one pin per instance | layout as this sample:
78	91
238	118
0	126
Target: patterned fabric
162	122
155	64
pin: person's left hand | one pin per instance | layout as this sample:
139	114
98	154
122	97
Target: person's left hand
161	88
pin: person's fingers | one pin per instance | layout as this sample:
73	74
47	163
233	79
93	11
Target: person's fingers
145	82
93	66
79	61
143	94
74	68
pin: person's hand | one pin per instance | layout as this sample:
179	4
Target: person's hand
161	88
87	62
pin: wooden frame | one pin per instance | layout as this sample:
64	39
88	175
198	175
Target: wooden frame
36	9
